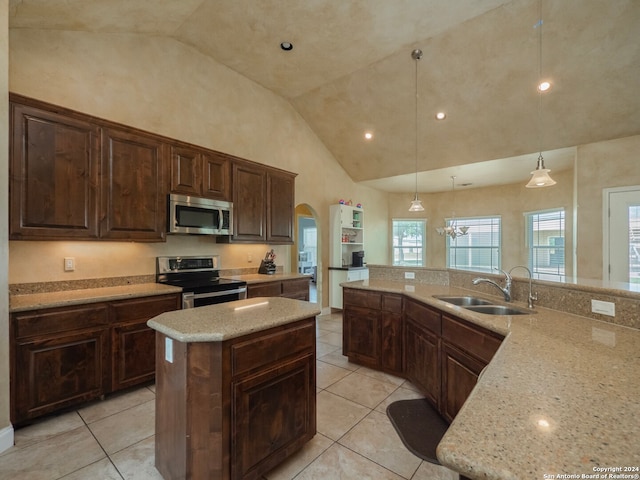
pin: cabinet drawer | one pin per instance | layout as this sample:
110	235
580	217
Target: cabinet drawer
47	322
271	289
392	303
423	316
362	298
143	308
474	340
255	353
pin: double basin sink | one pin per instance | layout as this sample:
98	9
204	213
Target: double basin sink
481	305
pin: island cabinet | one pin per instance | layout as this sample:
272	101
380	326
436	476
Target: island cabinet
439	353
199	172
296	288
422	348
235	408
466	350
372	329
65	356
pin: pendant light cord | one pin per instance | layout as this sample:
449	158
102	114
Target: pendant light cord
417	55
539	24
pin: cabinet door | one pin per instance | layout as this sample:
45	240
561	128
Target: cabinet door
391	338
280	207
133	342
361	335
262	436
216	176
460	374
186	171
249	204
54	176
297	289
133	186
422	360
59	371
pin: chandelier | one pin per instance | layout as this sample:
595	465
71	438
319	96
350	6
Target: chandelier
452	228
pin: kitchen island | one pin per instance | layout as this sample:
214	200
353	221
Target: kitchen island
235	387
560	396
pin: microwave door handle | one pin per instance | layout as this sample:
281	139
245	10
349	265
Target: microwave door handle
220	219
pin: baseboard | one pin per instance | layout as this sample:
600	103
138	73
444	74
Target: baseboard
6	438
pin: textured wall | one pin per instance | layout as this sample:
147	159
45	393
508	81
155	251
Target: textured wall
4	254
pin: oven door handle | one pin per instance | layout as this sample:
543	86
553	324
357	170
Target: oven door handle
189	297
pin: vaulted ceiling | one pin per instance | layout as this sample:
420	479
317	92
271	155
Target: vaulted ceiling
351	71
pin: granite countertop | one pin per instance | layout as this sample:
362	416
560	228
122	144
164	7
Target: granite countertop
263	278
34	301
561	395
215	323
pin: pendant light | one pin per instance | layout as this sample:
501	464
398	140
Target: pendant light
416	204
540	176
452	229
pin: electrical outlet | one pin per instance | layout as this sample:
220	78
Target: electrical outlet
69	264
603	308
168	349
249	258
409	275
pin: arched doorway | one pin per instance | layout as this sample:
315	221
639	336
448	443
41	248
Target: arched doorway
305	254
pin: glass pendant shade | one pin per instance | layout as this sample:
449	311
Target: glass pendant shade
540	176
416	205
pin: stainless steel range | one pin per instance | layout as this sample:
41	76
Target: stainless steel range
200	280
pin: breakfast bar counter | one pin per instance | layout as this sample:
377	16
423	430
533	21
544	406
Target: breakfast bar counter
235	387
560	396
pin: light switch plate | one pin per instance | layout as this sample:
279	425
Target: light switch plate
603	308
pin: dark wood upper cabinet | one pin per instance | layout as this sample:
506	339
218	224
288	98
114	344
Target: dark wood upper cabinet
200	173
54	175
74	176
133	186
249	203
263	204
280	207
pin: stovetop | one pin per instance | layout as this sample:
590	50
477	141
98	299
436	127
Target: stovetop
194	274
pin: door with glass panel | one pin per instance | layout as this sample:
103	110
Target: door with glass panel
622	237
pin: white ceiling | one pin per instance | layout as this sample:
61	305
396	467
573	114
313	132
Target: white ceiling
351	70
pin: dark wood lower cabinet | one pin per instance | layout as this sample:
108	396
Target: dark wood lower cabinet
58	371
63	357
460	373
373	329
422	360
296	288
440	354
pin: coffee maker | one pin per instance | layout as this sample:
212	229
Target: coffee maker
357	259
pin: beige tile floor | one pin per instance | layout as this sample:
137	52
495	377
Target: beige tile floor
114	439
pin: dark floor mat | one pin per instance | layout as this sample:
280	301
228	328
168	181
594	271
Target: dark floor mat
419	426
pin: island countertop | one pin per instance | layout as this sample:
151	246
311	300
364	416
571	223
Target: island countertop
216	323
560	397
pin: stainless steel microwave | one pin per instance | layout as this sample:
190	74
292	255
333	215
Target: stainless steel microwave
199	216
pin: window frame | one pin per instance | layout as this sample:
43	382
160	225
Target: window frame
423	245
529	244
470	222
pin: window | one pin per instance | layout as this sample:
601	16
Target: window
545	241
408	242
479	250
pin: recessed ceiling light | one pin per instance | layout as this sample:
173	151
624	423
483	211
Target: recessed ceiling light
368	135
544	86
286	46
441	116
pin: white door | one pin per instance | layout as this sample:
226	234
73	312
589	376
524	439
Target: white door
622	237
